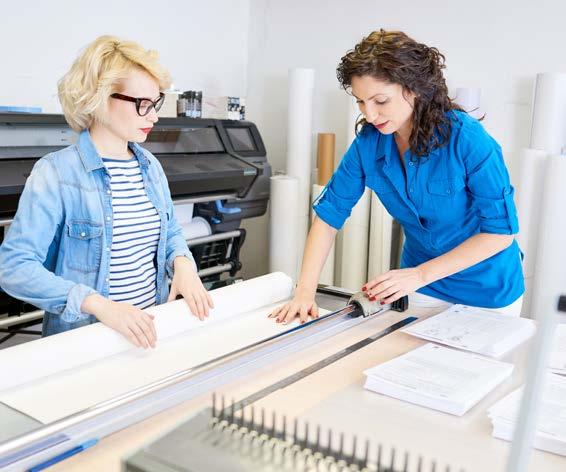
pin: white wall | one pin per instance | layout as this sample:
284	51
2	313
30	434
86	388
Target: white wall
498	46
245	47
203	44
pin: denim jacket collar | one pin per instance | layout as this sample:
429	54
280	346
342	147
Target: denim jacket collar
92	160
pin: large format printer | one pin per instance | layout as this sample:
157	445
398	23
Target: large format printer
218	165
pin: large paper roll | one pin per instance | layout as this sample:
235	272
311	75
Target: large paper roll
549	113
283	225
353	246
327	274
184	212
550	270
529	203
198	227
380	234
346	275
71	349
299	145
469	100
325	157
64	393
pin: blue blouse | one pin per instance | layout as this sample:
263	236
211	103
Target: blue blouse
441	199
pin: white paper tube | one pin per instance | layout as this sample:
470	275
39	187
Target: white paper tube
380	228
529	203
469	100
548	131
197	228
341	270
299	145
184	212
68	350
284	232
353	245
327	274
550	269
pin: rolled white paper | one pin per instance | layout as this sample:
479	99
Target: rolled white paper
353	246
548	131
197	228
550	269
380	228
470	100
283	228
71	349
529	203
183	212
299	145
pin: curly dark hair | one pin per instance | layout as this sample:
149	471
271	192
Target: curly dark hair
394	57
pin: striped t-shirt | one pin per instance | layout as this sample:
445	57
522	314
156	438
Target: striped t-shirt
135	235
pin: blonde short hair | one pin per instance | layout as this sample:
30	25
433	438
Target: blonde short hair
95	75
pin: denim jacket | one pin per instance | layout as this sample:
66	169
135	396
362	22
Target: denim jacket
57	250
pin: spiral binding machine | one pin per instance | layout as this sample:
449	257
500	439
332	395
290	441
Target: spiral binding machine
237	437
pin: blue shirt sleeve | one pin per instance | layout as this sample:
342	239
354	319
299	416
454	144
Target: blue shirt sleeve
487	180
335	203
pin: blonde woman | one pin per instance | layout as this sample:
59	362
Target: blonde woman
95	236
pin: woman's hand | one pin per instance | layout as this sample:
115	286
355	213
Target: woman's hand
187	283
134	324
302	304
394	284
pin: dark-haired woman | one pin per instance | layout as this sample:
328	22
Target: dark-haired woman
436	171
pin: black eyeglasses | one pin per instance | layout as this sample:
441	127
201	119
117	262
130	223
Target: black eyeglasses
143	105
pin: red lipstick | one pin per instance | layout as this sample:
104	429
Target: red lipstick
382	125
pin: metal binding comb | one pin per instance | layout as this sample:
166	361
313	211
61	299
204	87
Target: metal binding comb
231	438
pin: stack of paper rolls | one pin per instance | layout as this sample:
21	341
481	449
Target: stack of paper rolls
325	165
548	137
299	146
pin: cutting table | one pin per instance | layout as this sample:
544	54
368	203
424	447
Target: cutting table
282	380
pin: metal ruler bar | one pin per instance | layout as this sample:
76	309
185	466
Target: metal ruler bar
204	198
318	365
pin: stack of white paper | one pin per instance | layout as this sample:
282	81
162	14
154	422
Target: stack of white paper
439	378
557	362
551	425
474	329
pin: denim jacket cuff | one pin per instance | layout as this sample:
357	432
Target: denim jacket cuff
75	298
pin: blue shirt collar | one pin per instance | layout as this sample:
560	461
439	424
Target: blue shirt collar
92	160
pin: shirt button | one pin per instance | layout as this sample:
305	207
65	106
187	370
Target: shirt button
107	218
448	191
411	164
83	234
108	192
108	249
107	279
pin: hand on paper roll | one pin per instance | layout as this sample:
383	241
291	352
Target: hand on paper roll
394	284
131	322
188	285
302	305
